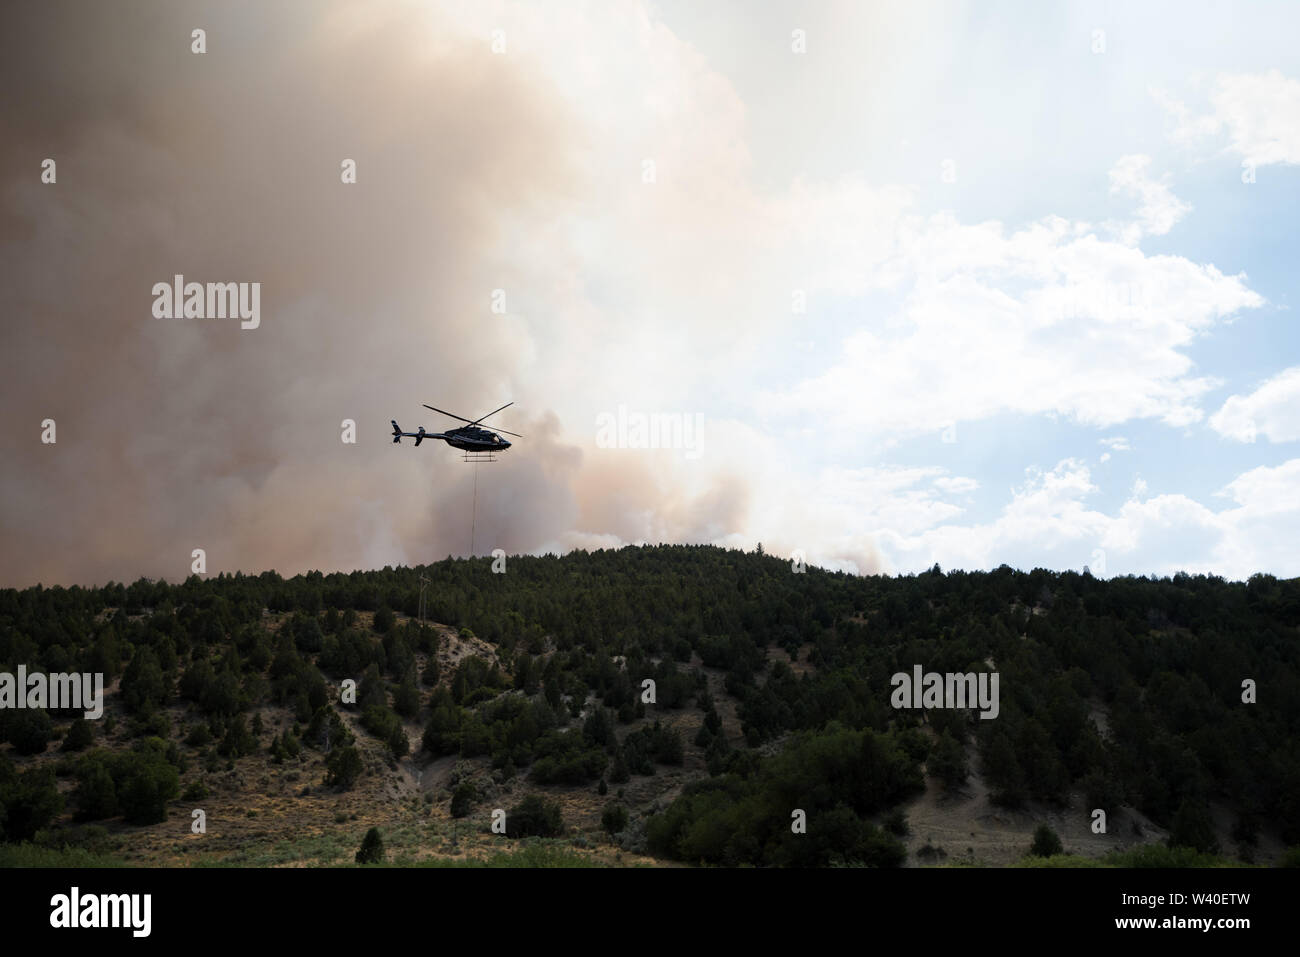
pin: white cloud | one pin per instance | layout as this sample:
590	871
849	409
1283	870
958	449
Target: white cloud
1115	443
1259	112
1152	524
1047	523
1262	530
1048	319
1267	490
1158	208
956	485
1271	411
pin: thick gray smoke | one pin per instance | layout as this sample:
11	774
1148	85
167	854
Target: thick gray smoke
176	434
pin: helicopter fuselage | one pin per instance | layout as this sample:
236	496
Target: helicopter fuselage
475	440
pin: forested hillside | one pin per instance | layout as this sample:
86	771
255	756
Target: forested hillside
771	694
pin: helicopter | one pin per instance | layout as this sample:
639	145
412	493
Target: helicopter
478	444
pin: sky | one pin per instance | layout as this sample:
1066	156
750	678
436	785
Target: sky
900	283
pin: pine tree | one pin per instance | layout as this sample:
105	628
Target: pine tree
343	767
30	800
948	762
1046	843
614	818
462	800
406	699
619	773
145	783
372	848
96	794
1002	770
79	737
397	741
1193	827
534	816
28	730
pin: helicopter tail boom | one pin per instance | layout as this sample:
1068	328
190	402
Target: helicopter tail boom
419	436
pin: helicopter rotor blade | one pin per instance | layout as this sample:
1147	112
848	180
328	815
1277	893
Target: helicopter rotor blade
450	414
475	421
493	412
